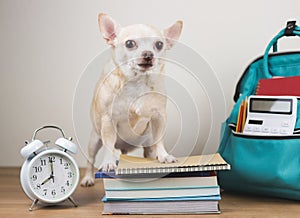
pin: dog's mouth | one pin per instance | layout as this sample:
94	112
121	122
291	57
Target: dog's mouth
146	65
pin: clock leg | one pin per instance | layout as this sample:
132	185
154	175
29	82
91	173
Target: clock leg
33	204
72	201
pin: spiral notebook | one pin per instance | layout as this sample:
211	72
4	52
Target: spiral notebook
136	165
279	86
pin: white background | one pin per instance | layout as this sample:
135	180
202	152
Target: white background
46	45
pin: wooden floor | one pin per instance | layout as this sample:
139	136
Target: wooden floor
14	203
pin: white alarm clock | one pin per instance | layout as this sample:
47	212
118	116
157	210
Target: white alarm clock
49	175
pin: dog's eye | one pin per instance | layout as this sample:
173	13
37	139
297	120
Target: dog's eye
159	45
130	44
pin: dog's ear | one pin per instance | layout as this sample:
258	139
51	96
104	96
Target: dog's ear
172	33
109	28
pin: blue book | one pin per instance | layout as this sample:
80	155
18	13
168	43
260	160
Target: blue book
106	175
162	193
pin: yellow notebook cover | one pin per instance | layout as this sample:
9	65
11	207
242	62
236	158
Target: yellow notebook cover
137	165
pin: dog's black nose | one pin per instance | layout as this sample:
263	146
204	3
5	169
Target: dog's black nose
147	55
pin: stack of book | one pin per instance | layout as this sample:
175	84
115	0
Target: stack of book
145	186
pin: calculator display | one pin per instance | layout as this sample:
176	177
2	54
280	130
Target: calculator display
274	106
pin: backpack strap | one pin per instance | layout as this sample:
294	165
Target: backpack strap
291	30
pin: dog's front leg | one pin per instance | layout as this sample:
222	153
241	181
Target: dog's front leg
158	123
95	144
109	138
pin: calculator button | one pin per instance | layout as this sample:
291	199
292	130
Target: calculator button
256	129
283	131
275	130
248	128
266	129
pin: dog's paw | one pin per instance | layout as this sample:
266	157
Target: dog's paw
108	166
167	159
87	181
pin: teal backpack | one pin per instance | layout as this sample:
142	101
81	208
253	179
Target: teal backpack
263	165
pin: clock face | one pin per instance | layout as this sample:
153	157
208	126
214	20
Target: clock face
53	176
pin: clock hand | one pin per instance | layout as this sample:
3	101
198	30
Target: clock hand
46	180
51	168
51	175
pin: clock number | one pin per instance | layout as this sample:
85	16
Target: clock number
45	192
61	161
63	190
43	162
51	159
68	183
66	166
34	177
70	174
53	192
37	169
38	186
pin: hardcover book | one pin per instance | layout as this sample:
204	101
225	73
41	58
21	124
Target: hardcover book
288	86
191	205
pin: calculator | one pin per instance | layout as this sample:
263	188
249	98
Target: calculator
271	115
